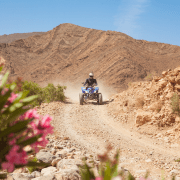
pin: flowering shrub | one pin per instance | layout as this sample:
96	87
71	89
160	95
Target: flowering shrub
107	169
19	127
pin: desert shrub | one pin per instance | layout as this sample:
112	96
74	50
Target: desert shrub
20	126
34	89
52	93
47	94
175	104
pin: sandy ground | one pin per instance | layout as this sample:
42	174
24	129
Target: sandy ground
92	127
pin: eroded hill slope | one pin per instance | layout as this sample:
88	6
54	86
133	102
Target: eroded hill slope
69	52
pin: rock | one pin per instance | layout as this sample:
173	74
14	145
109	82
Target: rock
177	79
156	78
55	161
141	171
142	117
36	174
177	87
9	177
148	160
169	95
48	171
67	174
69	164
62	153
45	157
19	170
171	79
43	150
58	146
156	106
162	83
177	70
22	176
53	151
27	148
177	119
166	139
117	178
174	171
164	73
48	177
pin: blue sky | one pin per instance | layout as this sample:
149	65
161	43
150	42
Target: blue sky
151	20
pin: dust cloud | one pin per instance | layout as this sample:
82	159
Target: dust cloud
73	89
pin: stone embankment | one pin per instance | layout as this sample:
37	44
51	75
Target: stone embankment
64	159
149	104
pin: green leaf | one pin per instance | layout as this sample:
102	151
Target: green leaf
4	151
30	140
86	173
3	175
12	87
42	164
107	175
15	114
15	106
130	176
4	98
30	98
4	79
15	128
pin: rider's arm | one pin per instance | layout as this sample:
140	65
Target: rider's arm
86	82
95	82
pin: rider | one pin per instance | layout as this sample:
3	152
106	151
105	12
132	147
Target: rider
90	81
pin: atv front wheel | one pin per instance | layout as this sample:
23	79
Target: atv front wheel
100	99
81	97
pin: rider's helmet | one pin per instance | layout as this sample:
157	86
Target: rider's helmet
91	75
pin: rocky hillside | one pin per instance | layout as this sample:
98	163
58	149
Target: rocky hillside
149	106
16	36
69	52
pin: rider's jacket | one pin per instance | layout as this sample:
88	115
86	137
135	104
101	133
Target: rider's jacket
90	82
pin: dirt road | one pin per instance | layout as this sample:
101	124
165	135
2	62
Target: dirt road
92	128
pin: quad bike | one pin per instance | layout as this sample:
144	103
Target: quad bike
90	93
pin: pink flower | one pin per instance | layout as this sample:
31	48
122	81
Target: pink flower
99	178
13	97
12	142
14	157
46	121
8	166
32	113
3	92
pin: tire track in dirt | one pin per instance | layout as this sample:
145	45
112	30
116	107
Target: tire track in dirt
91	127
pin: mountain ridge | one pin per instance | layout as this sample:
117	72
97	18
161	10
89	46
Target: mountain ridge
69	52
